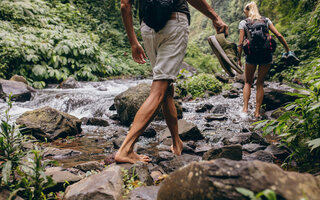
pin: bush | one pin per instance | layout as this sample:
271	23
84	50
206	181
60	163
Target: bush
198	85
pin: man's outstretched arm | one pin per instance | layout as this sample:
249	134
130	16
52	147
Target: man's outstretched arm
138	54
208	11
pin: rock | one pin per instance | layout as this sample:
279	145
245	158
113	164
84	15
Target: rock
20	92
144	193
219	109
118	142
177	162
260	155
278	152
55	152
237	86
49	123
252	147
215	117
275	98
88	166
246	138
60	176
95	121
201	149
165	155
149	133
222	78
69	83
18	78
204	108
277	113
155	175
104	185
128	102
4	195
109	159
232	94
233	152
112	107
141	170
115	117
187	131
192	70
218	179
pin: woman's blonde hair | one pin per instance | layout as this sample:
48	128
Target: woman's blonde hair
253	12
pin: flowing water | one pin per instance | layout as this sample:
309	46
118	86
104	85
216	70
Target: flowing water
94	99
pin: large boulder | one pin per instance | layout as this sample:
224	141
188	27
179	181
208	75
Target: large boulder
49	123
107	185
61	176
187	131
219	179
275	98
233	152
19	90
144	193
128	103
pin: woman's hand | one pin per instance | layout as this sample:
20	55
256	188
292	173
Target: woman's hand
239	63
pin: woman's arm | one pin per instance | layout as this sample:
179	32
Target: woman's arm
279	36
241	39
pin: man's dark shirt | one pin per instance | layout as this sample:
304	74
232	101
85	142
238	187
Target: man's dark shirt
179	6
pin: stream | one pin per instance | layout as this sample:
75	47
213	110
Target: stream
94	99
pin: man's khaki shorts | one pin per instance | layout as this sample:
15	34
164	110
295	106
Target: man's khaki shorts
166	49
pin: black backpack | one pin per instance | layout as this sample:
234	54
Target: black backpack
258	40
156	13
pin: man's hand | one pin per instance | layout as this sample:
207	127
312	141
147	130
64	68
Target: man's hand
221	27
138	54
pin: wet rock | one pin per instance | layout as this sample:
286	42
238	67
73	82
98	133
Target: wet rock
155	175
149	132
201	149
144	193
221	78
187	131
61	176
218	179
49	123
104	185
89	166
95	121
20	92
277	113
128	102
177	162
260	155
252	147
165	156
204	108
55	152
109	159
233	152
112	107
141	170
232	94
118	142
4	194
115	117
275	98
246	138
215	117
69	83
278	152
237	86
219	109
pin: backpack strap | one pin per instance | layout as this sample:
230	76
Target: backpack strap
265	20
246	29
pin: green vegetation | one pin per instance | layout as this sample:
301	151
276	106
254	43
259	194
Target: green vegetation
265	194
198	85
130	181
22	171
49	40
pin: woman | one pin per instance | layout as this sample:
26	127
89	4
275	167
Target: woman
255	59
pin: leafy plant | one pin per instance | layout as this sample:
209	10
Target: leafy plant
299	127
130	182
267	193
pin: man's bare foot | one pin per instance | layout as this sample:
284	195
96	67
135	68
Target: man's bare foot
131	157
177	148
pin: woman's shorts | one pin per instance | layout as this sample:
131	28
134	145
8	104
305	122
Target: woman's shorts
264	59
166	48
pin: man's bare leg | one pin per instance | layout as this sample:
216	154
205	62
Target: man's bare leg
141	121
171	117
262	72
249	75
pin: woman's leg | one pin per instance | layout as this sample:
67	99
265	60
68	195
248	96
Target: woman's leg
249	74
262	72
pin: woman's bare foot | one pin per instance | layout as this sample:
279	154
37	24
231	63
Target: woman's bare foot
177	148
130	157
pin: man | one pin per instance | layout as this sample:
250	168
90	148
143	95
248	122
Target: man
166	50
